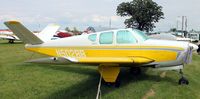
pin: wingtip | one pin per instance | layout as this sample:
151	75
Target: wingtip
11	22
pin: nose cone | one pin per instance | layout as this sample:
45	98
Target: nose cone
194	47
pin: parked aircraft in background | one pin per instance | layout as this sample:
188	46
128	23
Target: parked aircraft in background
109	50
169	36
91	29
63	34
8	35
46	34
194	36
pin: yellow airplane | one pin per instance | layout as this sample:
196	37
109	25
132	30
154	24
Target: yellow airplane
111	50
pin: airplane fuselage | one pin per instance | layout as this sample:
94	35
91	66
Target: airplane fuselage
82	50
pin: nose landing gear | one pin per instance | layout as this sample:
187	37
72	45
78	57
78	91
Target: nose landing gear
182	80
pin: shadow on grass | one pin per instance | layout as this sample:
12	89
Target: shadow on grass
88	88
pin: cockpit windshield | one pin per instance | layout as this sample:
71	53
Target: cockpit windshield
140	35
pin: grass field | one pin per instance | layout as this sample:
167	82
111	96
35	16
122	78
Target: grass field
20	80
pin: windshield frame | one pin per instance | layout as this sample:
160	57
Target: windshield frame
140	35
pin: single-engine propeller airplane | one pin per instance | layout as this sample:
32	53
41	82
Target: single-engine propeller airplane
110	50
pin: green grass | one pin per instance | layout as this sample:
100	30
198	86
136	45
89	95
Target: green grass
20	80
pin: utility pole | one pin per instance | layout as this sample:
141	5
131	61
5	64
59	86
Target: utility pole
177	25
182	23
110	23
177	22
185	23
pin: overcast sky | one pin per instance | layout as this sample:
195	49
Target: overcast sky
36	14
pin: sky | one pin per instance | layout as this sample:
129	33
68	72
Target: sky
36	14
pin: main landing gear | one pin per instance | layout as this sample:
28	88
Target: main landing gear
109	73
11	41
182	80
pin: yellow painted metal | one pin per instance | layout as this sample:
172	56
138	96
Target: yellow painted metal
157	55
138	60
47	51
139	56
142	60
13	22
105	60
109	72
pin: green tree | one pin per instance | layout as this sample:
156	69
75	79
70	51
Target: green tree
75	30
173	30
67	29
142	14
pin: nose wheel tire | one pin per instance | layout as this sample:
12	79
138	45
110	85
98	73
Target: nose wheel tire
183	81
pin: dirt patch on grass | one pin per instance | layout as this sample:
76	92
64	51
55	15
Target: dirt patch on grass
163	74
150	93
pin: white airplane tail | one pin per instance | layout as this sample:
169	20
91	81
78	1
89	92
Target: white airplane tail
27	36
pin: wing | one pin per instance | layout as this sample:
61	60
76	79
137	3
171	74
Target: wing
23	33
6	37
98	60
133	60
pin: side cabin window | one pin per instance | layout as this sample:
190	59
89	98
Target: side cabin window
125	37
106	38
92	37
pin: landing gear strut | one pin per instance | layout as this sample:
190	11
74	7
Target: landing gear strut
198	50
182	80
110	74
